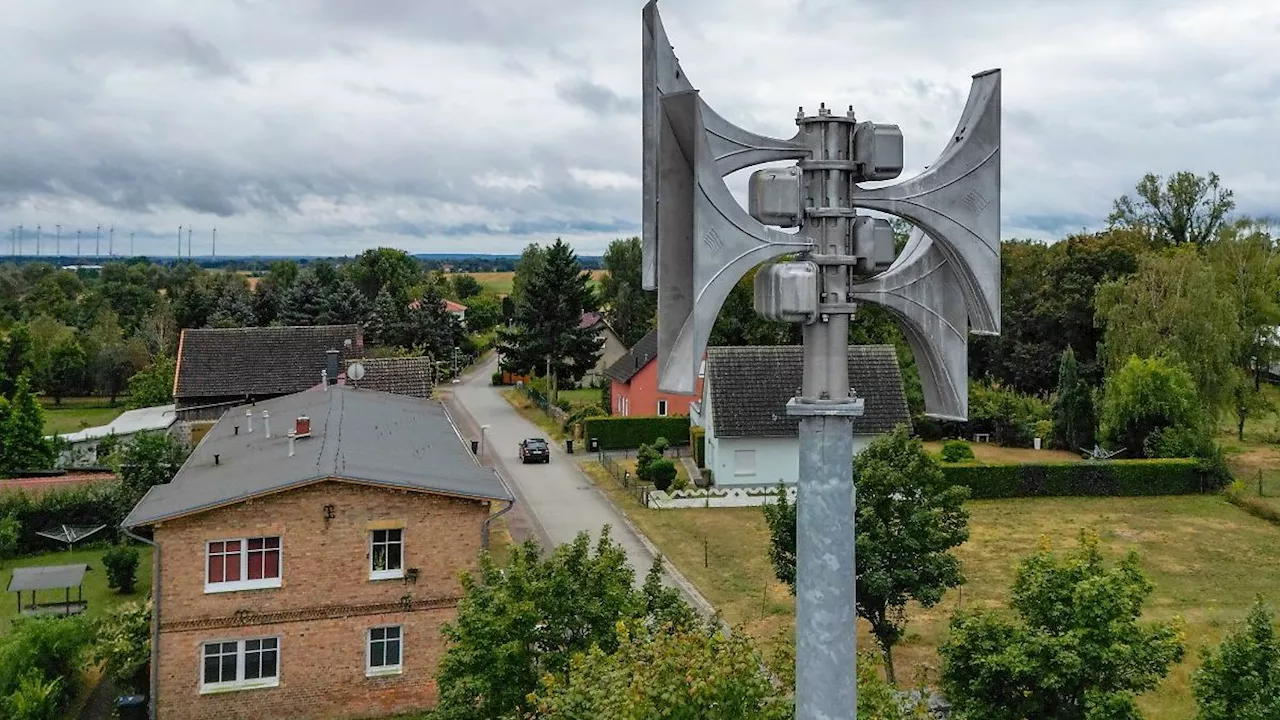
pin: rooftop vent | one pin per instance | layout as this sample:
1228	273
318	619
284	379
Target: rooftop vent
302	427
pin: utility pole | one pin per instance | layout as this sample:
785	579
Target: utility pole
57	246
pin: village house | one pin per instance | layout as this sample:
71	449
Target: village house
751	440
610	352
633	386
221	367
307	555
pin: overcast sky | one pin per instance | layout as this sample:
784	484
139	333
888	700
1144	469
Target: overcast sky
330	126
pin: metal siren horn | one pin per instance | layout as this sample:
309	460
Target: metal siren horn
956	201
921	291
698	241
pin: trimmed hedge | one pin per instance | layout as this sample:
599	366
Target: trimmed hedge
698	439
1109	478
628	433
96	504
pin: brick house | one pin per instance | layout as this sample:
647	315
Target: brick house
309	576
221	367
633	386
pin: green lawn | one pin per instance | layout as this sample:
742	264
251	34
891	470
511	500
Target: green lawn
533	414
581	398
1208	561
99	597
78	413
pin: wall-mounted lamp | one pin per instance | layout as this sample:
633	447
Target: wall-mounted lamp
328	512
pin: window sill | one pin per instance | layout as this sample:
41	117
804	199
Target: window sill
210	588
384	671
386	575
235	687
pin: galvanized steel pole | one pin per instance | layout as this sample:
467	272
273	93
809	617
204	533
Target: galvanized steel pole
826	615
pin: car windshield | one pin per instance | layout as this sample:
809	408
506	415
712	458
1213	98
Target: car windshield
535	442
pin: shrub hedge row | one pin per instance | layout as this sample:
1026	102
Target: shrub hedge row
1116	477
93	505
698	439
628	433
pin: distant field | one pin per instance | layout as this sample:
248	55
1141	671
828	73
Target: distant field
499	283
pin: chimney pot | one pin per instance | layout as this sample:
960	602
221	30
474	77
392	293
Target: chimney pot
215	458
302	427
248	421
236	429
324	379
266	423
331	365
291	436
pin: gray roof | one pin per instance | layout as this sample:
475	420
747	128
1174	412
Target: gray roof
50	577
258	361
159	417
645	350
357	435
750	387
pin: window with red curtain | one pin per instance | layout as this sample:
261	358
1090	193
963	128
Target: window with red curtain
245	560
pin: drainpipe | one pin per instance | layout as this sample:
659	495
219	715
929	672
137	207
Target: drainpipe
155	621
484	529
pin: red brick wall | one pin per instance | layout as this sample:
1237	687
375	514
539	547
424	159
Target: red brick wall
324	564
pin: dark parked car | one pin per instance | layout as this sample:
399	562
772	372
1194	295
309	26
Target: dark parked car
534	450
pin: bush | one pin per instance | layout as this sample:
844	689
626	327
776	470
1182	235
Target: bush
41	651
122	568
954	451
10	534
698	439
663	472
122	642
645	457
1115	478
628	433
496	378
1044	431
660	445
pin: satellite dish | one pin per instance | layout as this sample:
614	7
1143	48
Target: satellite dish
355	372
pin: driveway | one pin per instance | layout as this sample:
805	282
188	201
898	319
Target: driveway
555	501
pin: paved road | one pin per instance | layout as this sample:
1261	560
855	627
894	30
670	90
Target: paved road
557	501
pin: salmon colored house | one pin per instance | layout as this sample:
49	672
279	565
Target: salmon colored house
634	384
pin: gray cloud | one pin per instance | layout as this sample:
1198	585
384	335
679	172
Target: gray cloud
297	126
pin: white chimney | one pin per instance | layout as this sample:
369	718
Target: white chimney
248	420
266	423
291	435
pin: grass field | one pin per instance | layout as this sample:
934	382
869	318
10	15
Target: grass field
993	454
499	283
99	596
1207	559
78	413
581	398
530	412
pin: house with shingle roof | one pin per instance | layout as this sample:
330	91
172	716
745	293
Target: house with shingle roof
308	554
633	384
610	352
750	439
411	376
221	367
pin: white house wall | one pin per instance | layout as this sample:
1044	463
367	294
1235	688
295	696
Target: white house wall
776	460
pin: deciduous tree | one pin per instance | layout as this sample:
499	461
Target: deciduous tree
1240	680
1074	425
1076	651
25	446
630	310
1185	209
909	519
153	385
520	623
1151	409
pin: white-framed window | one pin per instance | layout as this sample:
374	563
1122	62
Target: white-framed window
386	554
240	664
242	564
744	462
384	649
662	408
